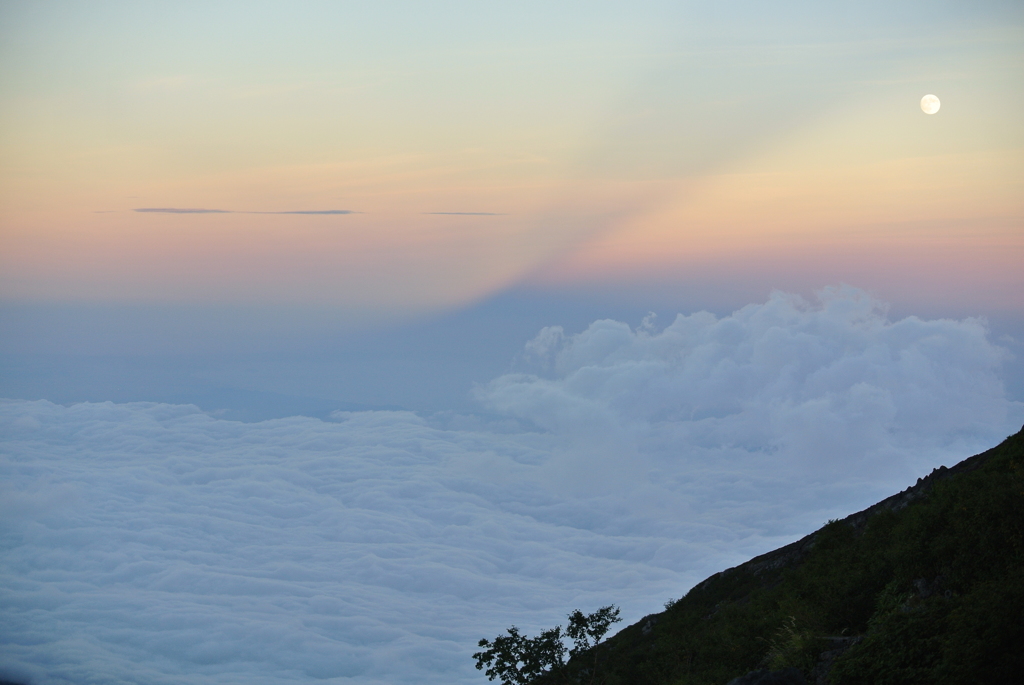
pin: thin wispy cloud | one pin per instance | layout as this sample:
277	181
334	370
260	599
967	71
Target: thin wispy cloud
181	210
196	210
309	211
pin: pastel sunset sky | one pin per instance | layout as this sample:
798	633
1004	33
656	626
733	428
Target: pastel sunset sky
336	336
483	146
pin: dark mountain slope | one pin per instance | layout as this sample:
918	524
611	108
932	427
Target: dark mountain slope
926	586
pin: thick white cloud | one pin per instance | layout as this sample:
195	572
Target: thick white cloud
149	543
153	543
823	387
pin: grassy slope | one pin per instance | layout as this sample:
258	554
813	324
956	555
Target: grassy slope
929	582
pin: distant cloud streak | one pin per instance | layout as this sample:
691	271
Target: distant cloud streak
189	210
180	210
310	211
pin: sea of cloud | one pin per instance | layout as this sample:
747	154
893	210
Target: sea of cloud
153	543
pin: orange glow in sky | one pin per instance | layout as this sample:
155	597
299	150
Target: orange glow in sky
524	147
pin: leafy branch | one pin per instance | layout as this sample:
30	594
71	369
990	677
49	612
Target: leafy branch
516	659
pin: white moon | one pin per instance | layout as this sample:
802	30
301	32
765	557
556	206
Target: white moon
929	104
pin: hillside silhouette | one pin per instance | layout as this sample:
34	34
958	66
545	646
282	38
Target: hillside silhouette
926	586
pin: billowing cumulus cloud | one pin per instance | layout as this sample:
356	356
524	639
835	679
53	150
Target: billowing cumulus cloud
829	386
151	543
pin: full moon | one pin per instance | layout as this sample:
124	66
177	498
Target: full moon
929	104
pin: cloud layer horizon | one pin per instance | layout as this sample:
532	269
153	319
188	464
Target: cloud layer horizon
154	543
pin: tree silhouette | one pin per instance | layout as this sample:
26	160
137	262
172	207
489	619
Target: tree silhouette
584	628
516	659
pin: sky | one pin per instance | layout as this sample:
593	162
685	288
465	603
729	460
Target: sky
504	309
